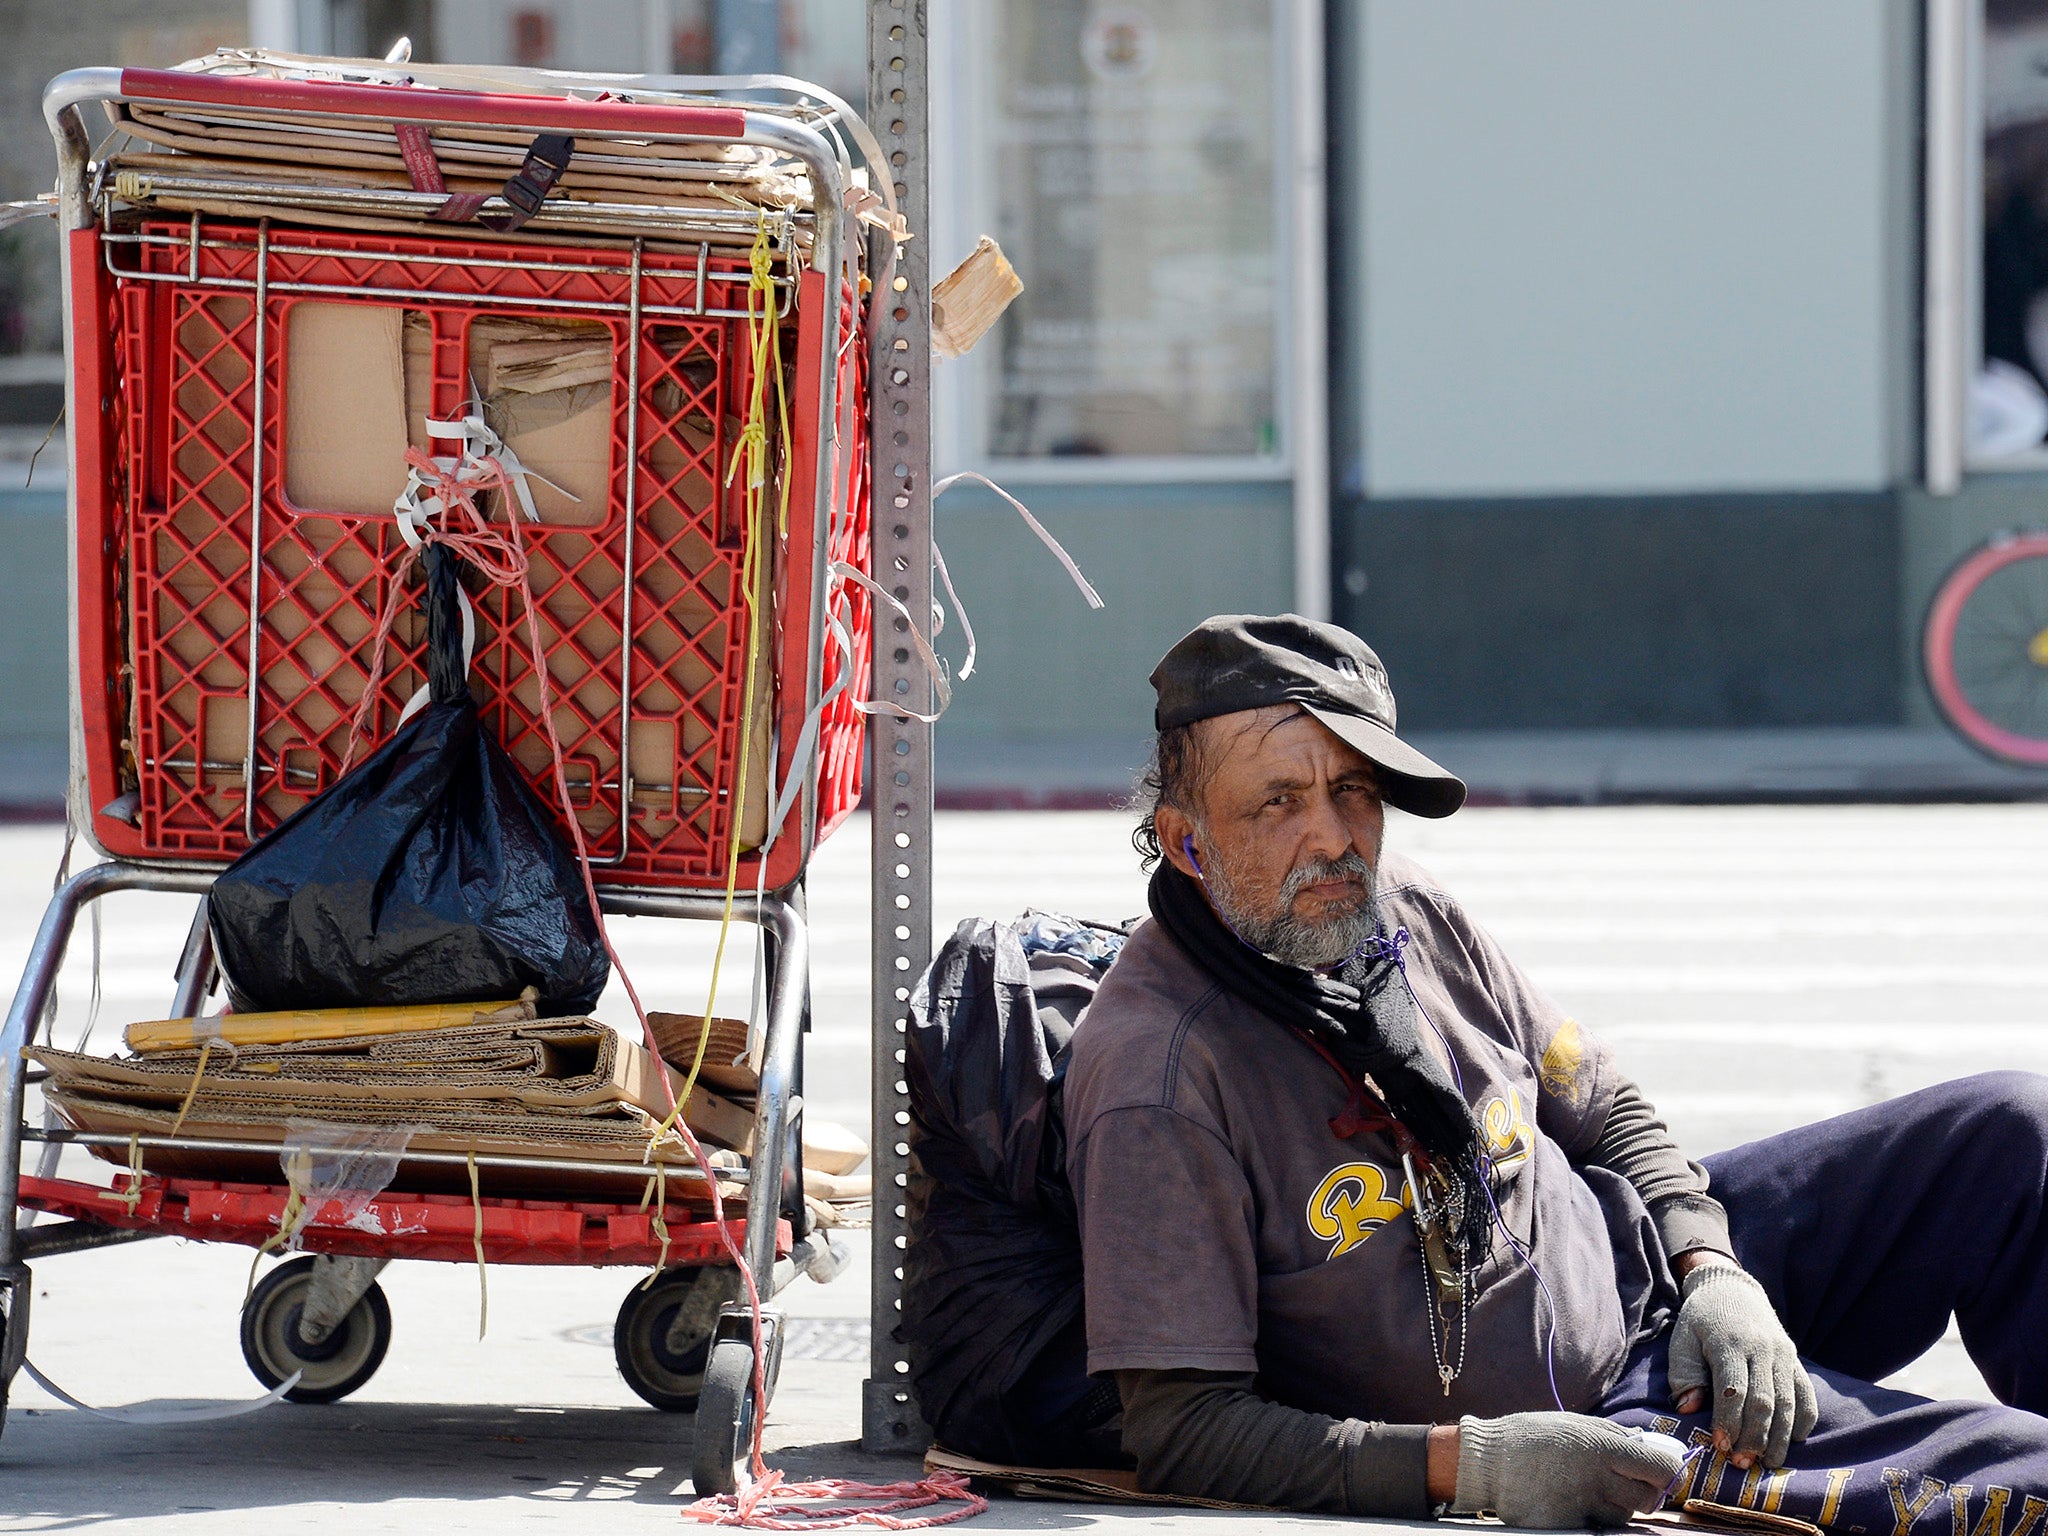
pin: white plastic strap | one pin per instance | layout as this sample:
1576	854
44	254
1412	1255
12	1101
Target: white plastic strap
1087	591
966	627
163	1415
415	511
211	1029
940	682
423	695
479	443
807	738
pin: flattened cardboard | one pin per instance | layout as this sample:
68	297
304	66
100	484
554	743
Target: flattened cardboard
547	391
971	298
725	1052
358	388
565	438
523	1086
344	407
1093	1485
1708	1515
568	1065
544	364
628	1147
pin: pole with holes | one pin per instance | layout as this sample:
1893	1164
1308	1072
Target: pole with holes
900	749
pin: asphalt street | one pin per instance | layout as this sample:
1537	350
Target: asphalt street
1755	968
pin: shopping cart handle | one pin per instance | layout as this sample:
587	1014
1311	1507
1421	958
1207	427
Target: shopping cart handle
416	104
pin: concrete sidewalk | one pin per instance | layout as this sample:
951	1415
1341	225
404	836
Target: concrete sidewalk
521	1430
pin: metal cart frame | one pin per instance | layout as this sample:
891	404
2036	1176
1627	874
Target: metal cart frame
781	914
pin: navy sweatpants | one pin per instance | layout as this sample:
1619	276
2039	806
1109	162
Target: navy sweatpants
1870	1231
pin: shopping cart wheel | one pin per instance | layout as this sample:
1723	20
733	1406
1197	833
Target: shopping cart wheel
725	1419
14	1294
343	1361
662	1339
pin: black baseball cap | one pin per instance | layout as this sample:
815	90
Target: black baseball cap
1240	661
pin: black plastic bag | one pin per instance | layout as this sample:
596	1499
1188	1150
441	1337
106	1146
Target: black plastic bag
431	873
992	1320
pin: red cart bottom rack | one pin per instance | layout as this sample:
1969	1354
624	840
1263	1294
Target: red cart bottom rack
452	1228
317	1326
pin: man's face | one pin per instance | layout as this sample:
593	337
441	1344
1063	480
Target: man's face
1288	832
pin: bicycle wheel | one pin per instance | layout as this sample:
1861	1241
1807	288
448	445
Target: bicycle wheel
1985	648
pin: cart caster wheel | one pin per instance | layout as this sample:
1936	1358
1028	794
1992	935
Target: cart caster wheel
271	1344
725	1419
14	1295
662	1338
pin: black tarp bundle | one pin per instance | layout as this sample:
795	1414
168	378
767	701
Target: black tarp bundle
992	1320
430	873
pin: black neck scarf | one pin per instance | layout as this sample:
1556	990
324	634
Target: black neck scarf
1363	1016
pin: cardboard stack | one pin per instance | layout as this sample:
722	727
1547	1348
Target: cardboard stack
839	1193
549	1088
359	174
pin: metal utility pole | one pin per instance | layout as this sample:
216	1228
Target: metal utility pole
900	749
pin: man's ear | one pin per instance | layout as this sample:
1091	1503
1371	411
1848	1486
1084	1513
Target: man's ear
1174	827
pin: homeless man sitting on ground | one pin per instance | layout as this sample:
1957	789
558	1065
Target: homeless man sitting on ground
1370	1226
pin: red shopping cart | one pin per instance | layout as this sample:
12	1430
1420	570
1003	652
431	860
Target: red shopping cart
281	276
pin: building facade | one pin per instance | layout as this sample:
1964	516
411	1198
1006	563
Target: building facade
1624	374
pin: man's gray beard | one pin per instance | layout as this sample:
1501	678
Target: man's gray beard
1286	937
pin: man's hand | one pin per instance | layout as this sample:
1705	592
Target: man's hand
1729	1341
1554	1471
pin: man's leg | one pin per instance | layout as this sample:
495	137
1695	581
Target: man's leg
1879	1462
1870	1229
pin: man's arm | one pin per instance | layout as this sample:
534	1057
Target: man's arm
1726	1326
1635	1143
1208	1434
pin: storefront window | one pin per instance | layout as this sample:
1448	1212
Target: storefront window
824	41
2008	418
1133	181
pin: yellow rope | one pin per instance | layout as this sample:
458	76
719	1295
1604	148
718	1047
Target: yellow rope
660	1224
764	283
298	1172
192	1093
752	451
483	1285
131	1197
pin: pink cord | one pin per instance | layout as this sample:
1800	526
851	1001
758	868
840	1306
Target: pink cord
502	560
781	1513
